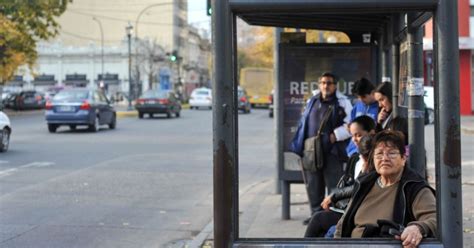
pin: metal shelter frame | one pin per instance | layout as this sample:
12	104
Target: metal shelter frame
384	18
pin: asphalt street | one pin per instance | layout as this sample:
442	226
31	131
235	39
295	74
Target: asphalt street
146	184
149	183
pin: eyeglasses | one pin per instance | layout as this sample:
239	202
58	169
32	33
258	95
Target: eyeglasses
326	82
390	154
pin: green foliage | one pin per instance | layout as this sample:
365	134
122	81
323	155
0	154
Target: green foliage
258	53
22	24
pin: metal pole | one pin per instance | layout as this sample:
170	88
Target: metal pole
380	58
137	81
386	55
447	123
416	113
130	89
395	63
278	124
102	45
224	126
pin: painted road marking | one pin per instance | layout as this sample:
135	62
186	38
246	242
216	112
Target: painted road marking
8	172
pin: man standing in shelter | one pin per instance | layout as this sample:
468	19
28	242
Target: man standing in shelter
327	113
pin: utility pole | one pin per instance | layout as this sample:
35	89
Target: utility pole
102	49
129	30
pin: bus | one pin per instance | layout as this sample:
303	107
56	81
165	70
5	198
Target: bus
258	82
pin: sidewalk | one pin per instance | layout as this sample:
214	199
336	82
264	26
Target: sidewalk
260	208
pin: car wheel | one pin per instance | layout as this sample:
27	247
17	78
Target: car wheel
52	128
113	124
72	127
5	140
270	114
168	114
95	127
178	114
140	115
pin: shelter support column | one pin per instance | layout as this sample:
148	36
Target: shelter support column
415	90
395	47
224	126
447	121
276	108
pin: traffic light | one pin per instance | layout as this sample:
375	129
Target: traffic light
174	56
209	8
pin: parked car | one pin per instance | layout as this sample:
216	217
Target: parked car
5	132
244	101
80	107
158	102
201	97
24	100
52	91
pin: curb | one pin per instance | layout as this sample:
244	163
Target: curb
131	113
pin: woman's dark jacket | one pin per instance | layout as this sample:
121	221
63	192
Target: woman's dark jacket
340	197
409	186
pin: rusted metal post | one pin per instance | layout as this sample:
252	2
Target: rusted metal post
447	123
224	126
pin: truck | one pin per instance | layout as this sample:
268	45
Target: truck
258	82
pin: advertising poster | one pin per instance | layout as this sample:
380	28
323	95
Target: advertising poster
300	68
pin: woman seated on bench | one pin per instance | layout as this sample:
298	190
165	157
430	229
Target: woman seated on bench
393	200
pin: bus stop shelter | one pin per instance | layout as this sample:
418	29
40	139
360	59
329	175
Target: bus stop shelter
390	21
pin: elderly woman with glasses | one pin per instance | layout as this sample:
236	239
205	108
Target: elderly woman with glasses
393	200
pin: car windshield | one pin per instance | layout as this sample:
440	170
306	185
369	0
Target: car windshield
71	95
202	92
154	94
240	93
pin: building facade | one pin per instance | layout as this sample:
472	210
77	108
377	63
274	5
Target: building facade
466	59
88	27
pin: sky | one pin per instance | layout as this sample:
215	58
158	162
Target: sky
197	14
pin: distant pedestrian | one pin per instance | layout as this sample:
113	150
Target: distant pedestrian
327	113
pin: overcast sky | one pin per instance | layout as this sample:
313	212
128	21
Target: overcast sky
197	14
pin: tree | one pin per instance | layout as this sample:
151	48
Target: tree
15	50
151	57
22	25
258	53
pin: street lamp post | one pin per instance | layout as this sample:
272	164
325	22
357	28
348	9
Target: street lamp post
102	47
129	30
136	32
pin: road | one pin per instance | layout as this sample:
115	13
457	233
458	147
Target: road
146	184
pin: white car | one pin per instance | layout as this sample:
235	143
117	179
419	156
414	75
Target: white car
201	97
5	131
